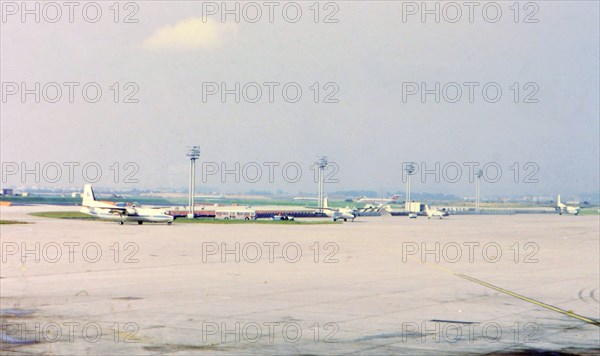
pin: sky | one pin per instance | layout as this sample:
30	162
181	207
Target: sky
513	90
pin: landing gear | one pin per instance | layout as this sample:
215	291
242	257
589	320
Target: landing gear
169	223
247	218
121	222
140	222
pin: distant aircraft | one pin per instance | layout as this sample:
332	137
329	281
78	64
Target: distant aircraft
433	212
334	213
109	211
366	200
562	208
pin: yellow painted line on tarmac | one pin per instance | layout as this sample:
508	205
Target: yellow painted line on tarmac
516	295
530	300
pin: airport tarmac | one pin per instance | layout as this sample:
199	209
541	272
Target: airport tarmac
379	285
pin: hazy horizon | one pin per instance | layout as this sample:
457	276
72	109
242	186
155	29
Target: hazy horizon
369	61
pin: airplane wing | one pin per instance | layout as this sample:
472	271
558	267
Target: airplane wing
120	211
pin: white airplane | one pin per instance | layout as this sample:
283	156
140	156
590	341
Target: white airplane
335	214
366	200
339	213
433	212
562	208
109	211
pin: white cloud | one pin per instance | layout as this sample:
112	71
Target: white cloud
191	34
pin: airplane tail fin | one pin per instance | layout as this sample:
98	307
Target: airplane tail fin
395	197
325	203
558	200
88	195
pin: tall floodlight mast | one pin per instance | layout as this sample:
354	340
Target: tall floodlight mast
479	174
410	169
322	163
193	154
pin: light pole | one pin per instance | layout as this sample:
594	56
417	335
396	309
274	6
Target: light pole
193	154
479	174
410	168
322	163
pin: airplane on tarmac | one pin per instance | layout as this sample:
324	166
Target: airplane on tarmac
340	213
434	212
109	211
562	208
334	213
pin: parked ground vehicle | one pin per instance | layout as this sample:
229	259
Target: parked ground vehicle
283	217
235	214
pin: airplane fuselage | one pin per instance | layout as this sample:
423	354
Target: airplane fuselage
563	208
140	215
567	210
109	211
341	214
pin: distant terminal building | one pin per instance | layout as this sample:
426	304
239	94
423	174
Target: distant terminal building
5	191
